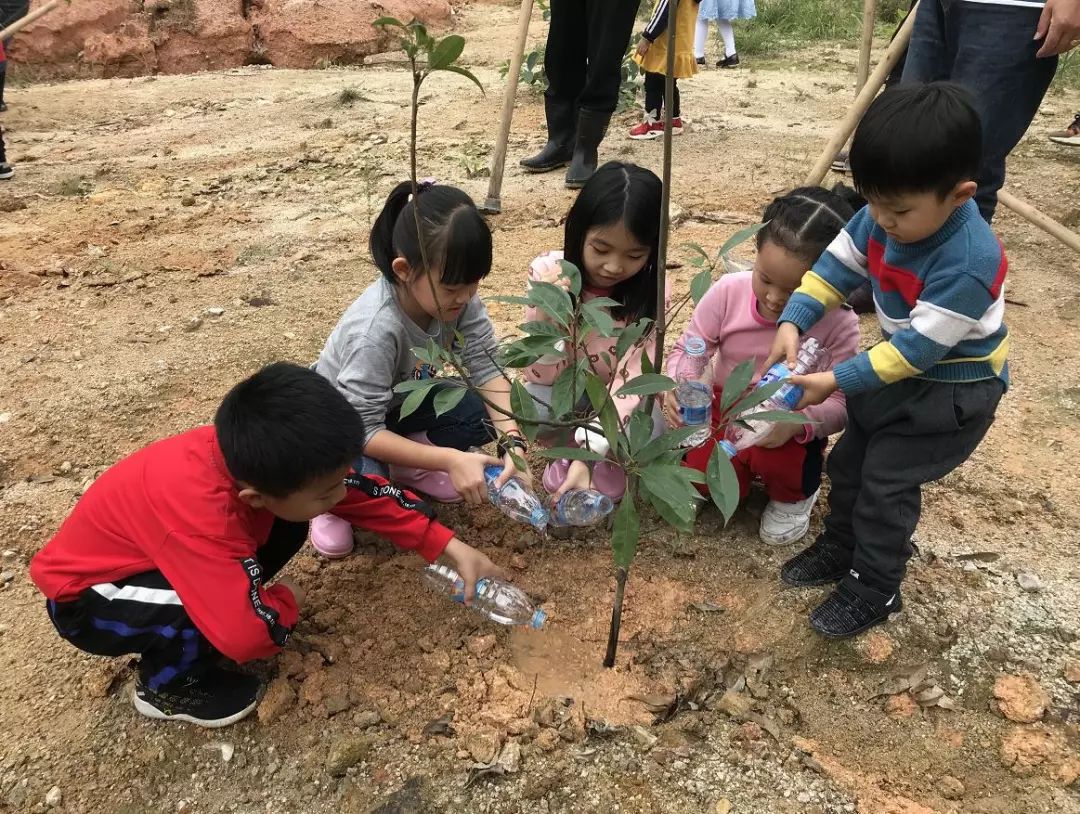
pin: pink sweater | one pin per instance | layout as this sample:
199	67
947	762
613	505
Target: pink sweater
595	345
727	319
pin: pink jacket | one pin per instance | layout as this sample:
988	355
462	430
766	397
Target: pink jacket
595	345
728	320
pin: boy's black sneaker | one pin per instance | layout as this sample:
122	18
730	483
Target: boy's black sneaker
853	608
728	62
821	563
700	61
216	698
6	171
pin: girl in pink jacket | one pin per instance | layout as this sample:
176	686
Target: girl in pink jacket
612	236
737	319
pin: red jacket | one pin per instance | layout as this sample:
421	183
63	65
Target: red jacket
173	507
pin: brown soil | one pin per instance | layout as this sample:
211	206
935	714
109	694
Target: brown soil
140	204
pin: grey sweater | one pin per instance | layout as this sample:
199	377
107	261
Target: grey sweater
370	351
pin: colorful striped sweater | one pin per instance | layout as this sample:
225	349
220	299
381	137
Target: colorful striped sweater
940	301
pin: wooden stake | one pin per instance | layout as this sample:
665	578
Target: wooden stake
869	16
862	101
1044	222
22	22
493	203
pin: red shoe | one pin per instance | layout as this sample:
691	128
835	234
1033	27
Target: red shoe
676	126
648	129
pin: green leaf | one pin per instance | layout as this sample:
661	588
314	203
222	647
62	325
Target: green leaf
739	237
671	488
736	384
629	336
448	398
779	417
609	422
466	73
672	439
700	285
410	385
723	483
646	364
680	520
754	398
572	453
598	318
552	300
605	302
523	352
446	52
414	400
541	328
698	250
383	22
639	430
564	394
573	274
597	391
647	384
524	405
624	533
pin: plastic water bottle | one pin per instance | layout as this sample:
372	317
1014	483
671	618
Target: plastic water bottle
693	390
516	500
497	600
581	507
812	357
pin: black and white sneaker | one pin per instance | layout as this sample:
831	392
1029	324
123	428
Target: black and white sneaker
216	698
6	171
820	564
853	608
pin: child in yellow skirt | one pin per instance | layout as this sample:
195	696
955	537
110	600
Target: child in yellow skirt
652	57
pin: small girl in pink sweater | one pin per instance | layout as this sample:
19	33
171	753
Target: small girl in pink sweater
612	235
737	319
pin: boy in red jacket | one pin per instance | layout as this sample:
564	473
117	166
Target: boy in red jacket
169	553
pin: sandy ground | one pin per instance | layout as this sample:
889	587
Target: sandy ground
141	204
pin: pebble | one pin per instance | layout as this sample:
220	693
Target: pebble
1029	582
6	577
54	797
10	553
950	787
65	468
215	311
5	418
193	324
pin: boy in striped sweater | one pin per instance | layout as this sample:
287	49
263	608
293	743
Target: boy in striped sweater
919	402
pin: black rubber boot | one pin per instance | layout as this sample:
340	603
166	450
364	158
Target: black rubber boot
590	132
561	127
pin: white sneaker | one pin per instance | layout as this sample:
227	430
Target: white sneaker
785	523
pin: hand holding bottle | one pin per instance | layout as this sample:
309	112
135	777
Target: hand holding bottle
466	471
471	565
785	347
816	387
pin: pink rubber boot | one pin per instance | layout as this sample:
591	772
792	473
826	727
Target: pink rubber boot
607	477
331	536
431	482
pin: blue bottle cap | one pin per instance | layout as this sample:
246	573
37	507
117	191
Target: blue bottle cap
728	448
492	472
538	619
694	346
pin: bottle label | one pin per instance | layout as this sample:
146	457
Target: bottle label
789	395
458	593
697	412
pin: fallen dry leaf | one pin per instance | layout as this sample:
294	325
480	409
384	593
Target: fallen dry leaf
654	703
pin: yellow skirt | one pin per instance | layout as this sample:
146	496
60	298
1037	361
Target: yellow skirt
655	59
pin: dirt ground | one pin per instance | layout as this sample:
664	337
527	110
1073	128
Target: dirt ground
164	237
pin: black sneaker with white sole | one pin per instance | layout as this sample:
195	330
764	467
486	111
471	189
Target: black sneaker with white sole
821	563
852	608
6	171
216	698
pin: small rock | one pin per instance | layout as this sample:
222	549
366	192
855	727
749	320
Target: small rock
277	699
480	646
876	647
337	702
1072	669
193	325
367	718
10	553
1020	698
950	788
733	704
723	806
1068	772
901	706
483	745
54	797
510	757
215	311
346	753
1023	748
65	468
187	200
547	740
5	418
6	577
1029	582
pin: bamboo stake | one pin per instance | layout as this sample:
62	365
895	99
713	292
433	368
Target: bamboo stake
493	203
868	19
22	22
863	100
1044	222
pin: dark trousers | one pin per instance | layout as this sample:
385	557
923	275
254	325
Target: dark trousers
3	151
585	46
654	94
990	51
898	438
467	425
115	619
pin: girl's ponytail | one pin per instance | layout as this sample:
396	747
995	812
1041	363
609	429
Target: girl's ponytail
381	242
805	221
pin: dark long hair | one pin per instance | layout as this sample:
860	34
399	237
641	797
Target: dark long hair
627	194
457	241
805	220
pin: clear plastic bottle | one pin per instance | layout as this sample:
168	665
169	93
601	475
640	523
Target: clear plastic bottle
581	507
497	600
693	390
812	357
516	500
